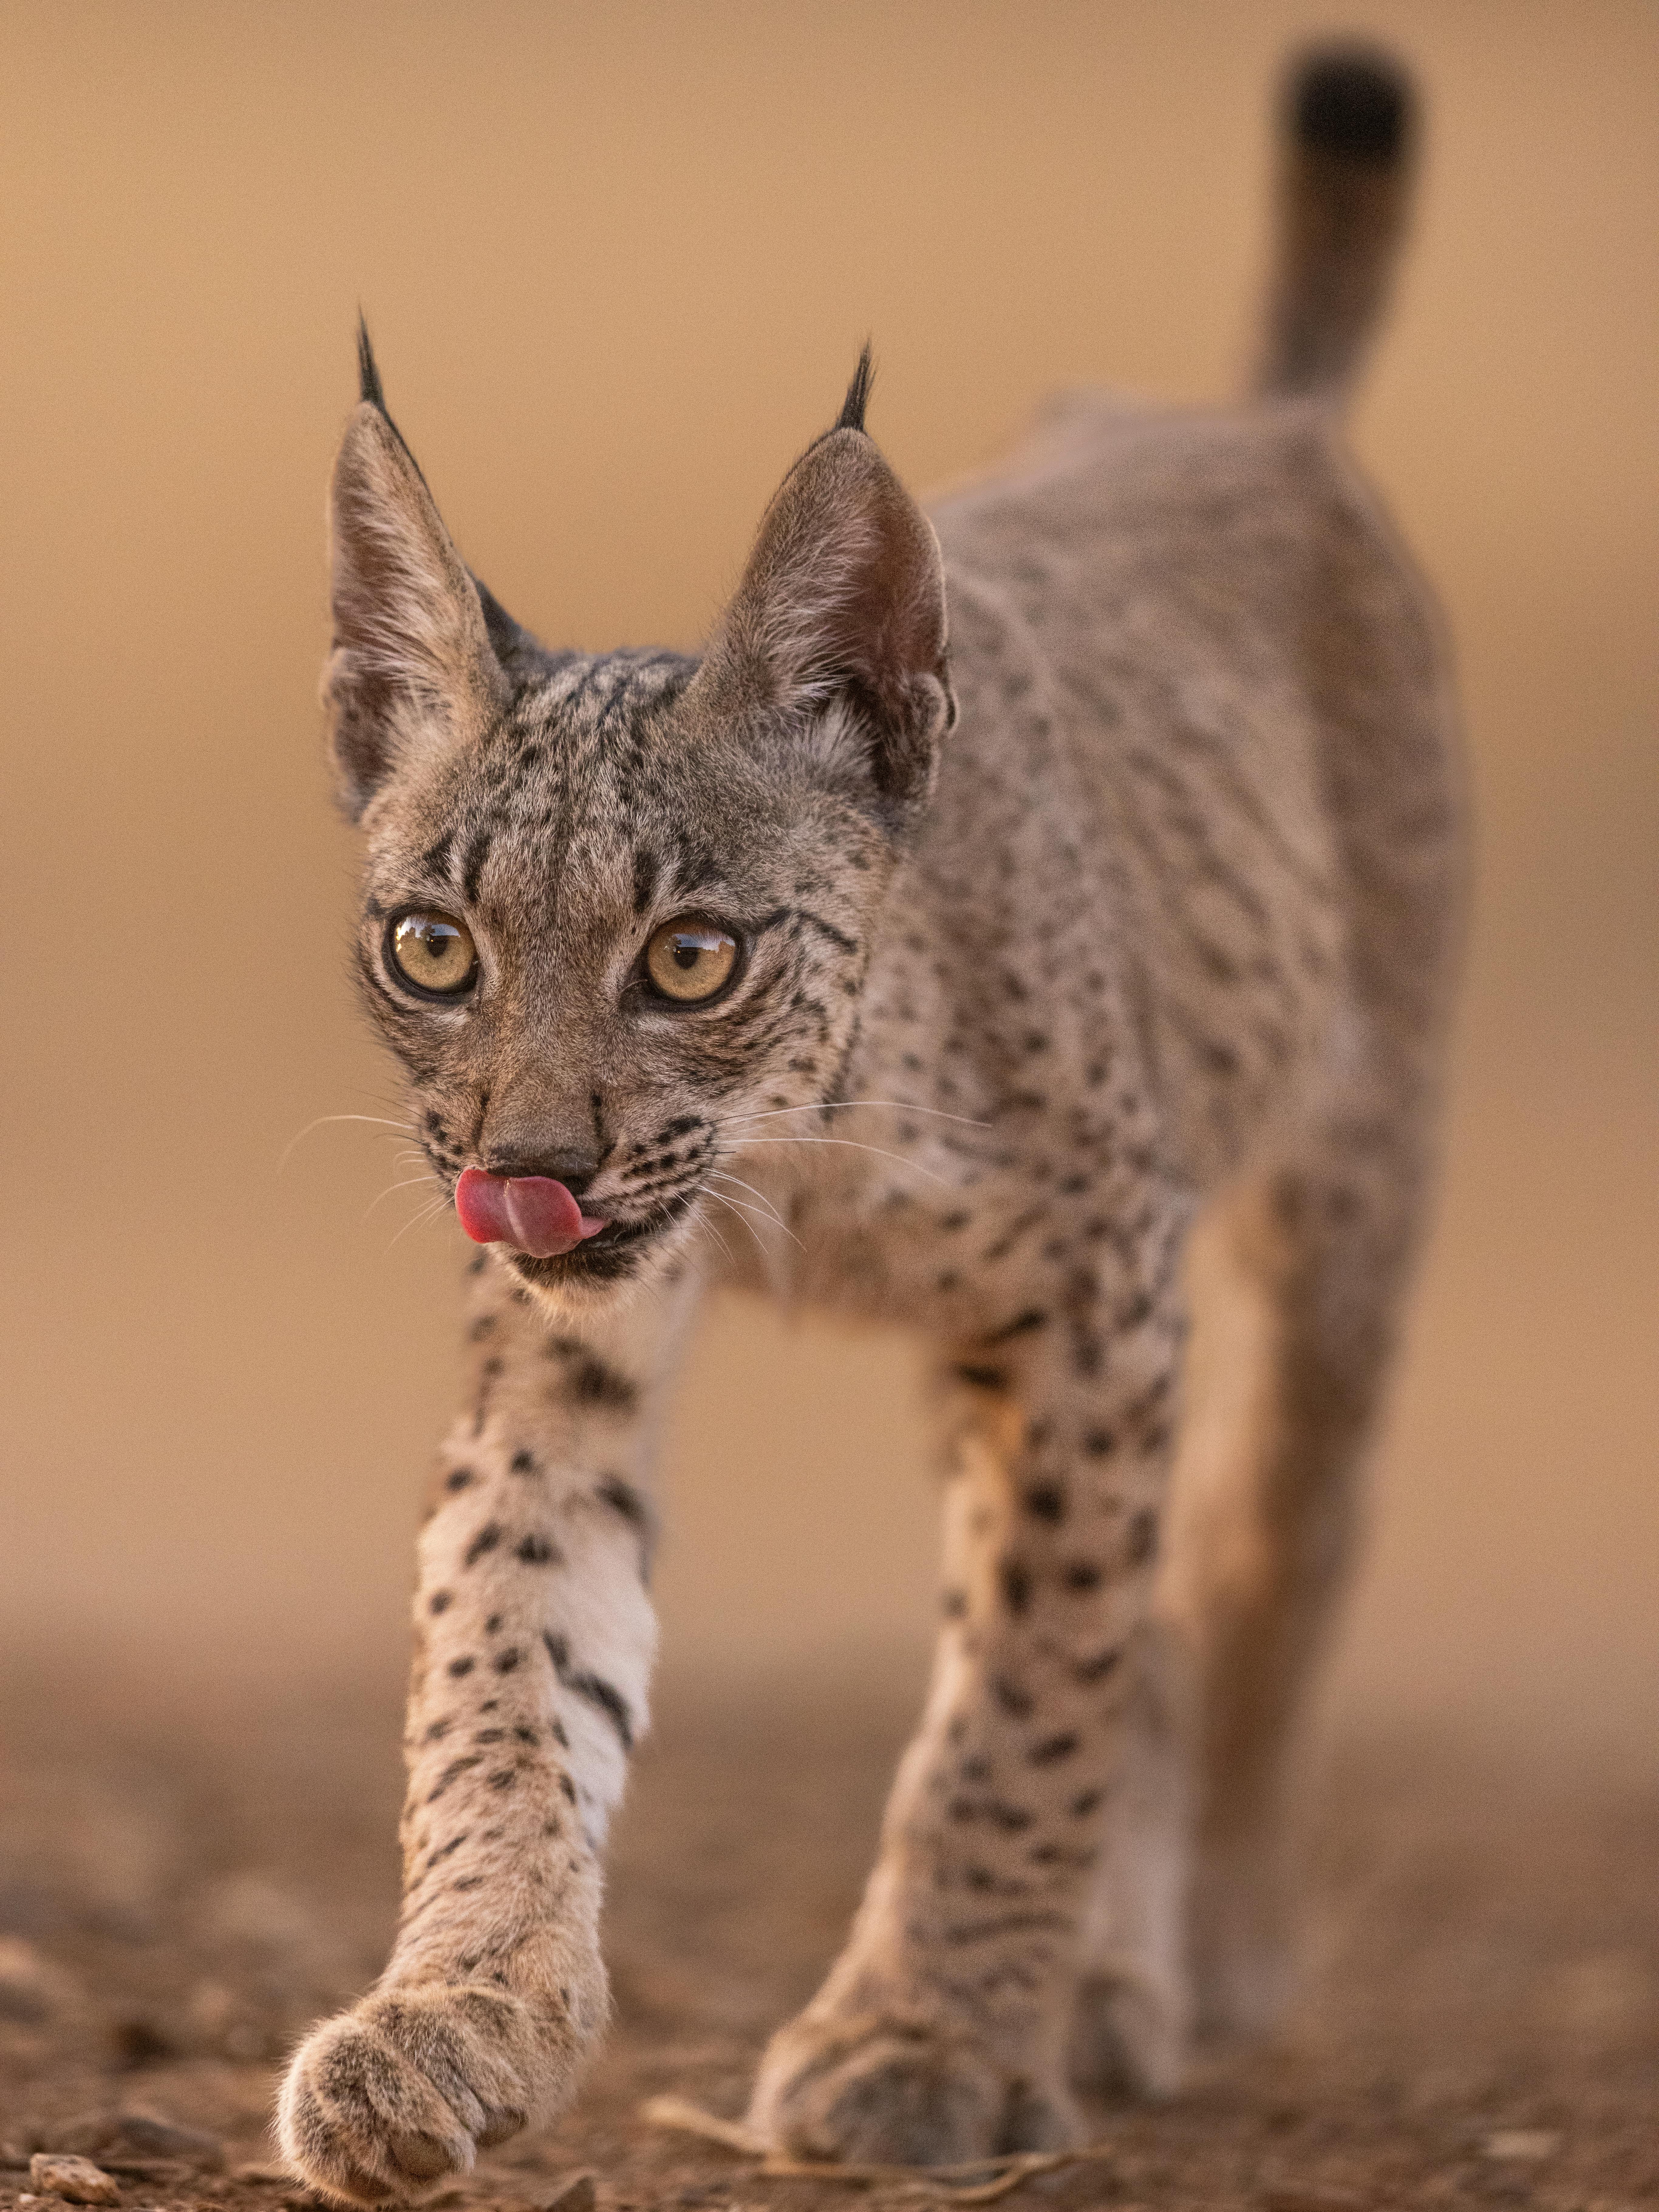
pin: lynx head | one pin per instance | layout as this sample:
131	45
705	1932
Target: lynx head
613	904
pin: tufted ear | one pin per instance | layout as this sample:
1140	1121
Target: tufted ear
841	615
413	664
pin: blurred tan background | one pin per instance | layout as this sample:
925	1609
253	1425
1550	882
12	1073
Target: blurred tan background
617	260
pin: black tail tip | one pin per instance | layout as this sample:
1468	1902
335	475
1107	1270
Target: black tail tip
851	417
368	374
1353	101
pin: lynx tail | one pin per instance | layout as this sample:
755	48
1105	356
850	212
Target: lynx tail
1348	130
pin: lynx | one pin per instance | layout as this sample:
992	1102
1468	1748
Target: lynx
1027	925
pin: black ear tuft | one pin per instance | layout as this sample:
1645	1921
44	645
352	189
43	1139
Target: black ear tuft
372	393
368	374
851	417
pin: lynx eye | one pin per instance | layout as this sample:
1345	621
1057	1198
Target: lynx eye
433	953
689	960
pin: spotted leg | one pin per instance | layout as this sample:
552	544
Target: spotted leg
533	1643
1314	1261
1297	1276
941	2031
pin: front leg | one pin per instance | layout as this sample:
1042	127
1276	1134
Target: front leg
941	2032
533	1643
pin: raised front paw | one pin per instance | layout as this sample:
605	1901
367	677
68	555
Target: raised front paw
408	2086
886	2090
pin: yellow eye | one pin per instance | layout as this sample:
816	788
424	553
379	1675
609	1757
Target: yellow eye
688	960
432	952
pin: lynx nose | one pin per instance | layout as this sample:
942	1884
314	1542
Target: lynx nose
532	1213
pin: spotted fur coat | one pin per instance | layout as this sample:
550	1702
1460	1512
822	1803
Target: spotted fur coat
1032	926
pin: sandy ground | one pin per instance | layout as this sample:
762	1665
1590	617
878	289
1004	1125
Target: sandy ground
1479	2019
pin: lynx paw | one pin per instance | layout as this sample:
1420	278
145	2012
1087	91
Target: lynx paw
891	2092
404	2088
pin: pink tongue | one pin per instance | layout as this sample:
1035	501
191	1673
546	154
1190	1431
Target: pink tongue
532	1213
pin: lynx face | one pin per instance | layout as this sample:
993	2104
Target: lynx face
614	906
668	919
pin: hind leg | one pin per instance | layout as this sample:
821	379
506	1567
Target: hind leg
1296	1280
1315	1259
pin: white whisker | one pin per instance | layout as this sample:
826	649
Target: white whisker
408	1184
852	1146
404	1129
839	1105
734	1205
718	1175
745	1209
418	1220
703	1222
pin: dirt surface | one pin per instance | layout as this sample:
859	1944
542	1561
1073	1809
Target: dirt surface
1478	2019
